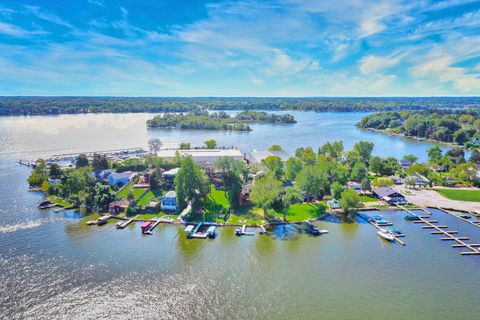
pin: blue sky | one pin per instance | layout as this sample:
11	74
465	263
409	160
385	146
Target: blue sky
240	48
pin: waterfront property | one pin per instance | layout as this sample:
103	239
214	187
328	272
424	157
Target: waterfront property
169	177
256	156
205	156
169	202
389	195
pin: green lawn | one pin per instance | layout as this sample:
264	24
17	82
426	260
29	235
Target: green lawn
60	201
150	195
149	216
368	199
302	211
247	215
459	194
125	191
137	192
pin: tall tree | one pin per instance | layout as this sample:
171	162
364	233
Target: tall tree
311	181
191	184
274	165
81	161
364	149
292	167
292	196
154	144
350	200
265	191
434	154
359	171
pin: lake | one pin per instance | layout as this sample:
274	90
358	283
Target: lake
52	266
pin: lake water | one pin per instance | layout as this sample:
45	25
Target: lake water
52	266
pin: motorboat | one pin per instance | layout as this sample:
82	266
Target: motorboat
382	233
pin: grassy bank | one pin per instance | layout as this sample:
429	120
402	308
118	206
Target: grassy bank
460	194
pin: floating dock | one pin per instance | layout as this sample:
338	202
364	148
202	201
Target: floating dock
243	231
379	228
448	235
153	225
262	230
473	223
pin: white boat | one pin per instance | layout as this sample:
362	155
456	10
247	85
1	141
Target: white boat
386	235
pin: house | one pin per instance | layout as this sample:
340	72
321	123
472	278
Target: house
355	186
389	195
101	175
116	207
54	181
405	164
421	181
333	204
396	180
169	202
116	178
169	176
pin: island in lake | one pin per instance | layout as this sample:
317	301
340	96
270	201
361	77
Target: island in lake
203	120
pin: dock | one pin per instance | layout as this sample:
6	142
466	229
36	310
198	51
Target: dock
123	223
243	231
379	228
26	163
473	223
151	227
262	230
448	235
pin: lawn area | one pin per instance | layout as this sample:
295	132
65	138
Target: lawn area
60	201
148	197
137	192
368	199
460	194
125	191
302	211
247	215
216	201
149	216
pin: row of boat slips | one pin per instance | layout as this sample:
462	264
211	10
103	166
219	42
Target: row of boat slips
385	229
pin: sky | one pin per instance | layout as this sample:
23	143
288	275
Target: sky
240	48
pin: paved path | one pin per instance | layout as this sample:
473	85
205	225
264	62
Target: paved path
431	198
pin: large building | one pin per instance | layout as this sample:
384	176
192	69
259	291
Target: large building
256	156
202	155
389	195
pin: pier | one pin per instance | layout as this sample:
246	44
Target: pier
473	223
124	223
448	235
379	228
152	226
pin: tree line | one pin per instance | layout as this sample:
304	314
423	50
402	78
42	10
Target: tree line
75	105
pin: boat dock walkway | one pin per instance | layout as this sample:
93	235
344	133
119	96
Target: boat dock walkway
459	217
380	228
153	226
448	235
124	223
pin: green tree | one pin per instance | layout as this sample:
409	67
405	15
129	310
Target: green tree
292	196
81	161
275	147
299	153
364	149
311	181
382	182
100	162
359	171
434	154
274	165
376	165
410	157
410	182
333	150
418	168
292	167
211	144
265	191
336	190
365	185
55	171
350	200
191	184
309	157
475	156
39	174
185	146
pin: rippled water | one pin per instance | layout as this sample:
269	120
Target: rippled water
52	266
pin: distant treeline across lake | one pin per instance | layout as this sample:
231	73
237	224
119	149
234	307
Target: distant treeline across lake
72	105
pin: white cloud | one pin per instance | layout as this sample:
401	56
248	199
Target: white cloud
124	12
47	16
16	31
373	64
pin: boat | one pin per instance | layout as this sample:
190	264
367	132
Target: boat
412	218
91	222
382	233
383	222
211	232
146	226
313	229
465	216
102	220
238	231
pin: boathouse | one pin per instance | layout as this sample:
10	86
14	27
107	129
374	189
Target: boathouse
389	195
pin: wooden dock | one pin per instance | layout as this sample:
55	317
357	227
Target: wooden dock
458	217
448	235
380	228
124	223
153	226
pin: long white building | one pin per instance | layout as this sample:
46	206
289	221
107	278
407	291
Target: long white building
202	155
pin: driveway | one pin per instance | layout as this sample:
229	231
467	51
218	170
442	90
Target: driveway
431	198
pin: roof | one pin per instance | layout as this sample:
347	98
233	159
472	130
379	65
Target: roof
171	194
405	163
202	155
171	172
120	175
257	156
385	192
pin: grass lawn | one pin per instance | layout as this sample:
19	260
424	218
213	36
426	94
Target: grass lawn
368	199
60	201
247	215
125	191
152	194
137	192
461	195
302	211
149	216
